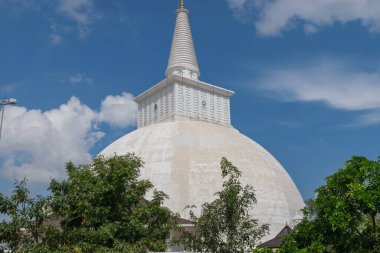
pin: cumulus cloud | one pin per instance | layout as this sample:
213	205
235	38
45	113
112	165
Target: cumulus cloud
336	83
118	110
36	144
275	16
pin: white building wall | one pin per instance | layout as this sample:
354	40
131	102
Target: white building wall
199	104
179	98
156	108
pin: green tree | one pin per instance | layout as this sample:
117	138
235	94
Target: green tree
344	217
101	208
262	250
102	205
225	225
23	227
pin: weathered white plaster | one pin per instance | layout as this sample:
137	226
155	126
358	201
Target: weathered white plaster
182	159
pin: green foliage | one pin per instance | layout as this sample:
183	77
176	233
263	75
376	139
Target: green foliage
261	250
344	217
25	215
102	209
225	225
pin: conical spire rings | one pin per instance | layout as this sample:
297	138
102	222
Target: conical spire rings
183	60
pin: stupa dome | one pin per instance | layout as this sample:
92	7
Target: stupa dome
184	130
182	159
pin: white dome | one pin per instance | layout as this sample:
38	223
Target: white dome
182	159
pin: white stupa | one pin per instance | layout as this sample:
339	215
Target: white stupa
183	132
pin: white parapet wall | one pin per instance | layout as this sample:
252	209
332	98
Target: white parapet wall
181	98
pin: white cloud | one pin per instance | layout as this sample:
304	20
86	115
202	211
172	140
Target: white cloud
309	28
78	10
275	16
82	12
118	110
56	36
237	5
80	78
367	119
372	118
37	144
334	82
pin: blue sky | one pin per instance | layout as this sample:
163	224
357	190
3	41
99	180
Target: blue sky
306	76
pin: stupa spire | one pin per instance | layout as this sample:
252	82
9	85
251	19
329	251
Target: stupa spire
183	60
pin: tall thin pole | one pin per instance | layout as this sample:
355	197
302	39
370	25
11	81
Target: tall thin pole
3	103
2	118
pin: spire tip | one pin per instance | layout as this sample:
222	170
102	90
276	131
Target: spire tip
182	5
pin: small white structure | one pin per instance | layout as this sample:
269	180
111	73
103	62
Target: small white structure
184	130
181	98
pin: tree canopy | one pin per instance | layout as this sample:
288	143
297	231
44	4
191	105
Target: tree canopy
345	215
225	225
101	208
24	226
